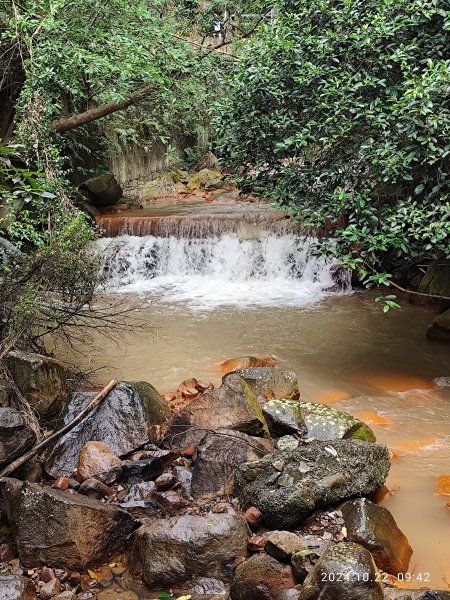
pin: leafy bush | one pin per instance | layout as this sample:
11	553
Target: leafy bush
340	109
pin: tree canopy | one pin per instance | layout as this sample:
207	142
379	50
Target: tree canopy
340	110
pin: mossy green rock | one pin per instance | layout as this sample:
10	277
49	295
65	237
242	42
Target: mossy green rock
41	380
436	281
314	421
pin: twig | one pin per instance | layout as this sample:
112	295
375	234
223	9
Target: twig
418	293
81	415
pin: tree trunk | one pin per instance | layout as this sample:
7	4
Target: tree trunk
64	124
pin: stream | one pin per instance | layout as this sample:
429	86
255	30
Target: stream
209	297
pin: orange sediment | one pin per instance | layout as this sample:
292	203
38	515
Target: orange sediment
332	396
395	382
408	446
443	485
373	418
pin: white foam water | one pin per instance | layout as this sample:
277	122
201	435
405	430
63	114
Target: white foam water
269	270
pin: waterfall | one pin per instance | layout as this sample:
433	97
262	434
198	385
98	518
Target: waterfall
259	268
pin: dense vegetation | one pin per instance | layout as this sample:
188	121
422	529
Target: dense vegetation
340	109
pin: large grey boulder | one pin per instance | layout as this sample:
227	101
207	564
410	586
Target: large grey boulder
217	456
231	406
41	380
288	485
15	587
178	549
314	421
122	421
374	527
103	190
344	571
62	530
270	382
16	437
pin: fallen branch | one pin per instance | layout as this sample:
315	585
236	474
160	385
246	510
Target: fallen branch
418	293
80	416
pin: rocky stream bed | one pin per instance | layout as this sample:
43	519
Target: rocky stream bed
236	492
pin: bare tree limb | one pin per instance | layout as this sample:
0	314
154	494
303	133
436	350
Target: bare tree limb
418	293
80	416
64	124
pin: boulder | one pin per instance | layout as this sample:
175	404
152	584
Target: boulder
283	544
439	330
247	362
95	458
6	393
204	179
347	571
41	380
231	406
122	421
261	577
374	527
103	190
217	456
16	437
286	486
54	528
436	282
270	382
304	560
394	594
178	549
314	421
15	587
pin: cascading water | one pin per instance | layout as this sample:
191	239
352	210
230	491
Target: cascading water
261	269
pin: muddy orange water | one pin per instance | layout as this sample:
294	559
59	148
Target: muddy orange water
347	353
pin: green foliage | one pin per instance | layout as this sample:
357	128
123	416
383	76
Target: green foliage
340	109
48	275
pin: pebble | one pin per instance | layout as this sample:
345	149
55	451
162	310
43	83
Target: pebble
61	483
50	589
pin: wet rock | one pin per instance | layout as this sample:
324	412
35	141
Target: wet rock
347	571
374	527
283	544
184	478
94	489
231	406
170	501
41	380
122	421
67	595
95	458
415	595
204	586
140	491
248	362
131	472
174	550
253	516
103	190
50	589
165	481
15	435
439	330
271	382
15	587
6	393
262	577
314	421
217	456
435	282
54	528
61	483
286	486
